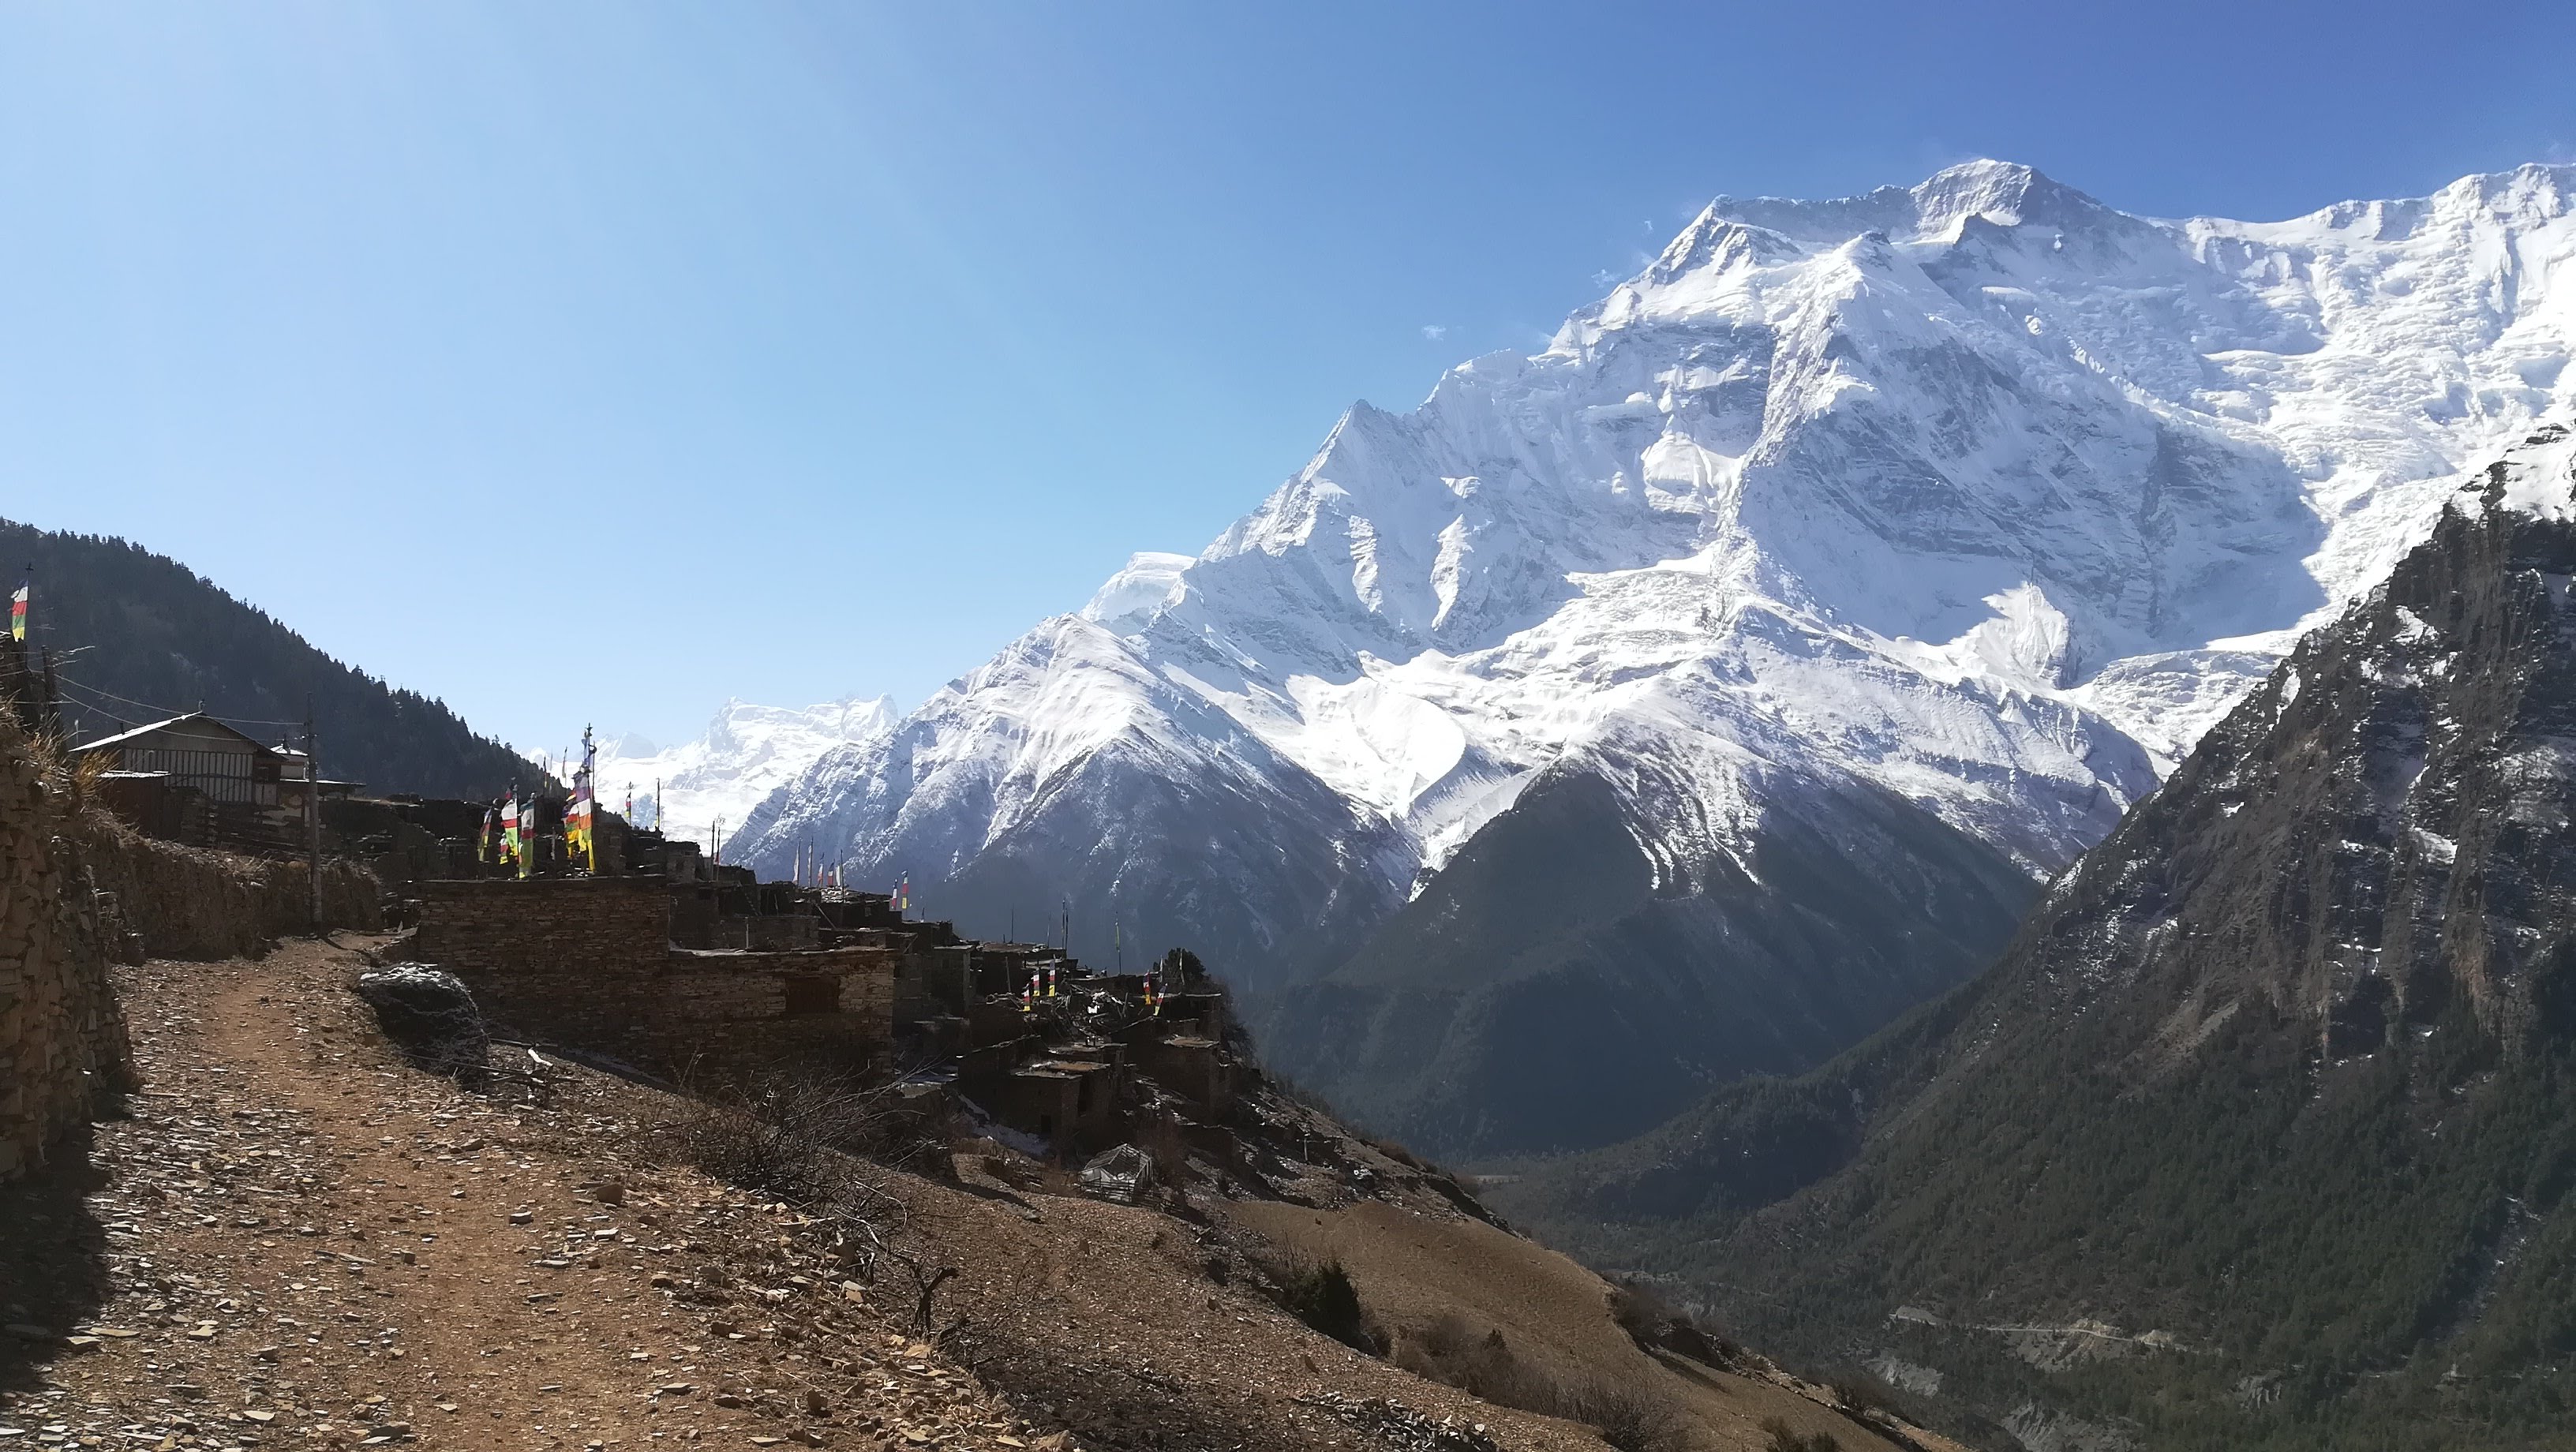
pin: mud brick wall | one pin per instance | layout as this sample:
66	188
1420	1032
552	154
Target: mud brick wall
62	1041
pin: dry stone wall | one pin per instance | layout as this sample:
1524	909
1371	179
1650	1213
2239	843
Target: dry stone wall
62	1041
79	891
188	902
587	963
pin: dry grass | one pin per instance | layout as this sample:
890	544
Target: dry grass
810	1139
1450	1351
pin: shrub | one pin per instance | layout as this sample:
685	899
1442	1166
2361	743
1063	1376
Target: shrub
793	1136
1656	1324
1779	1436
1323	1297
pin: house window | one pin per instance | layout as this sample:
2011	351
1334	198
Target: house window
812	993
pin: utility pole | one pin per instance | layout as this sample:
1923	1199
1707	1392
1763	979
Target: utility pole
313	812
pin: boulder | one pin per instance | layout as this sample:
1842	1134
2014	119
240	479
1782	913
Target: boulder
1119	1174
430	1015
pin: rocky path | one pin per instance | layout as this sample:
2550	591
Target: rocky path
297	1240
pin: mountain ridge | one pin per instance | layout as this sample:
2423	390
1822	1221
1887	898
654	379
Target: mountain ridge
2277	1077
1991	504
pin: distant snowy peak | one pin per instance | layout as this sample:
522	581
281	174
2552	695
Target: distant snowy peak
1978	492
748	752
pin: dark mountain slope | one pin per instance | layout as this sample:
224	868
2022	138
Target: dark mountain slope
2264	1131
146	628
1543	993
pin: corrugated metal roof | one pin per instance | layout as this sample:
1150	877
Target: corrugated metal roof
123	737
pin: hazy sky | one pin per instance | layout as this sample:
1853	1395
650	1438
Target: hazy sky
596	362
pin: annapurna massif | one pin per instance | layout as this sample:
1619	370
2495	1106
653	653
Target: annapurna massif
1890	545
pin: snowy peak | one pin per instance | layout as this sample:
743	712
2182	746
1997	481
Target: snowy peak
748	751
1141	587
1714	242
2538	479
1977	492
1998	193
2001	193
742	731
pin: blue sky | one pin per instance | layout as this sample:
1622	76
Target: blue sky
596	362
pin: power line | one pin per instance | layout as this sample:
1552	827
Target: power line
166	711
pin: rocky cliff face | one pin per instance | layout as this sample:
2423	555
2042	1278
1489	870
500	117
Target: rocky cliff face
2264	1131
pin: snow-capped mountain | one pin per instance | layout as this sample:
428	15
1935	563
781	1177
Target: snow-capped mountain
2276	1072
747	752
1977	497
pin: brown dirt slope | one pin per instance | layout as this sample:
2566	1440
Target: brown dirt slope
1429	1281
297	1239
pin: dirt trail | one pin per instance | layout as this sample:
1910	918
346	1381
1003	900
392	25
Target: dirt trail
298	1239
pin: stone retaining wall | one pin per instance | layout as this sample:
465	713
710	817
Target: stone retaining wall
62	1041
190	902
79	891
587	963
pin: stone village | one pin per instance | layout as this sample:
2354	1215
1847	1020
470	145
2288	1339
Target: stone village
632	950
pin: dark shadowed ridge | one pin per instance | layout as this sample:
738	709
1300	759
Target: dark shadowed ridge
1544	992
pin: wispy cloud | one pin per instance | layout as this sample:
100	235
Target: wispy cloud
1434	332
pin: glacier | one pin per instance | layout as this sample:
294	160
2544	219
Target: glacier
1978	496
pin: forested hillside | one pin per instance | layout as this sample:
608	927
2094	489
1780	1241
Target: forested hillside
141	636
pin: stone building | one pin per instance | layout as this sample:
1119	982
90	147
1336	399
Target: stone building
587	963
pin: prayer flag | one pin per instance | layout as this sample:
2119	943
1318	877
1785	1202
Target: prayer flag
18	614
579	845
